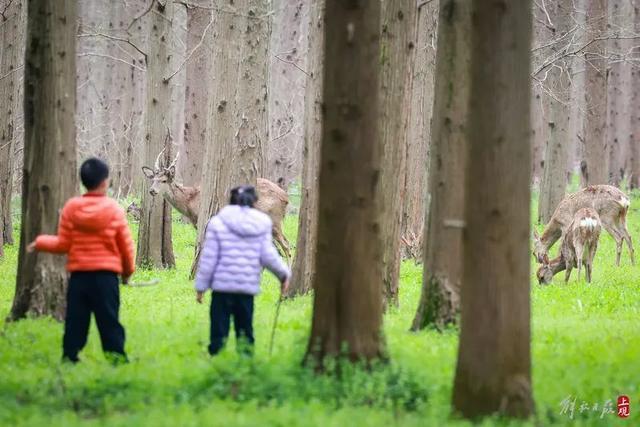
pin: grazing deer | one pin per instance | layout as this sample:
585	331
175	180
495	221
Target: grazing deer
579	245
272	199
611	205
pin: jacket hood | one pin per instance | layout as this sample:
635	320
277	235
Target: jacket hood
245	221
93	213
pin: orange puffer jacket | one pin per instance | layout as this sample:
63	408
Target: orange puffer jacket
93	231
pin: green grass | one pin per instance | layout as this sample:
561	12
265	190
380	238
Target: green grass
586	344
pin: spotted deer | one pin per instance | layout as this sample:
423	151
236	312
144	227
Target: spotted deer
272	199
611	205
578	248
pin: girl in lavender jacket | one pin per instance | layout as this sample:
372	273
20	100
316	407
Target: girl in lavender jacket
237	246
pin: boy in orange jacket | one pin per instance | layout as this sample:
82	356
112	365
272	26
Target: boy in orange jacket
94	233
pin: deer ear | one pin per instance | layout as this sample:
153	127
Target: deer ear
545	258
536	236
172	171
148	172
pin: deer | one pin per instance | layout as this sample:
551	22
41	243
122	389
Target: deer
611	205
579	246
272	199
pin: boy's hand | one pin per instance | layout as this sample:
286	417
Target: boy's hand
199	296
284	288
125	280
31	247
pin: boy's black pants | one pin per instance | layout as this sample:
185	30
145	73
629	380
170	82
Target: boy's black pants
94	292
223	306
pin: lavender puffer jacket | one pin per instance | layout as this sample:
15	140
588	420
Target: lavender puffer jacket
237	246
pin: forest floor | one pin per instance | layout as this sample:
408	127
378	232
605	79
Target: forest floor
586	346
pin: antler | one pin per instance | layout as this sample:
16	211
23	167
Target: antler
156	166
175	160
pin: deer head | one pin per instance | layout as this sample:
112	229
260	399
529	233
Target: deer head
545	273
539	249
161	177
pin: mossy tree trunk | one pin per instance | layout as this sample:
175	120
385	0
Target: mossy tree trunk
440	301
49	172
493	372
347	307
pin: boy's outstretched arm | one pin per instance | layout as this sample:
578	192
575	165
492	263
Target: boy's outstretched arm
125	245
58	243
208	261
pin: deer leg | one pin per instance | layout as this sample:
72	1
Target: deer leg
627	238
567	273
612	229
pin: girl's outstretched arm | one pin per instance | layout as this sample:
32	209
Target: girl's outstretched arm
208	259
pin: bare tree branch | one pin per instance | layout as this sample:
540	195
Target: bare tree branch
196	47
101	55
118	39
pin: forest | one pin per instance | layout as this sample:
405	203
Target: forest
447	193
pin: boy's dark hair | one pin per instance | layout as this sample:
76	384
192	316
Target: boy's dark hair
92	172
244	195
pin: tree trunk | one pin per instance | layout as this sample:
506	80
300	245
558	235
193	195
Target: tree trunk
440	300
618	90
594	166
419	132
634	111
347	308
286	89
154	237
49	175
398	32
199	76
12	36
303	274
558	84
237	122
493	373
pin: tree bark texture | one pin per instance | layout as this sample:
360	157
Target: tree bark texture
49	175
594	165
397	43
237	120
558	88
440	300
303	272
419	132
288	65
347	308
493	373
12	36
198	82
155	247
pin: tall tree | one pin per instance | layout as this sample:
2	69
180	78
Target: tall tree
198	82
154	236
398	21
493	372
49	175
303	272
558	85
594	166
418	137
618	89
634	110
287	78
347	308
237	119
440	300
12	35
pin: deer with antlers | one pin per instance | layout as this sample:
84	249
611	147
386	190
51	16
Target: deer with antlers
272	199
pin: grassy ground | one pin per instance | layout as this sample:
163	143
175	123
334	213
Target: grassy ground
586	344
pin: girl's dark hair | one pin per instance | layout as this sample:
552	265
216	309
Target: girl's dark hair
244	195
